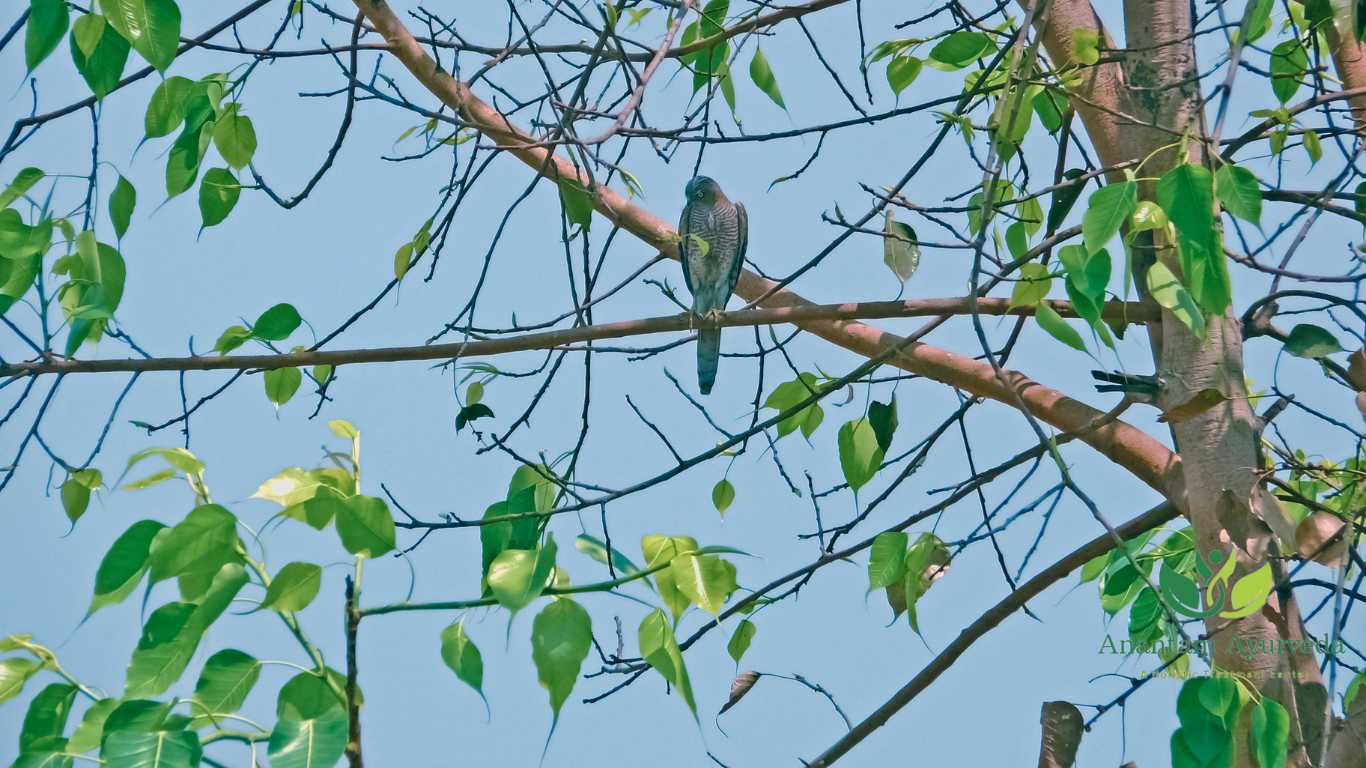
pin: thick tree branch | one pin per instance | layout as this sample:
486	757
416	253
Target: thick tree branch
1115	311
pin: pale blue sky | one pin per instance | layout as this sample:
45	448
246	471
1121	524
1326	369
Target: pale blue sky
330	256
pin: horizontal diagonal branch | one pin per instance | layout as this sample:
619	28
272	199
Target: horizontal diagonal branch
1122	312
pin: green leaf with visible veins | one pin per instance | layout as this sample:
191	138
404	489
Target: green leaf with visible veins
366	527
308	743
227	678
1238	191
151	26
705	580
123	565
741	639
154	749
659	648
518	576
1108	209
859	453
219	191
462	656
561	636
293	588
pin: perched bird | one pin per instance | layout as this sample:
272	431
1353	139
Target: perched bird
713	234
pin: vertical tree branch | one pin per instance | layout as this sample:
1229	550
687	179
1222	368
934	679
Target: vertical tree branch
353	616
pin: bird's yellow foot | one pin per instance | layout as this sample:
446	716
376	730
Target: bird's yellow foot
713	316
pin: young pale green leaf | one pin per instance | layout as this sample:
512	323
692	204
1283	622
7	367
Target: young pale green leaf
787	395
102	69
578	203
23	182
859	453
122	566
231	338
182	164
598	550
1030	215
1170	294
561	635
14	672
1353	690
234	137
87	32
706	580
900	248
75	499
1147	216
121	204
518	576
762	74
1237	190
47	23
722	495
659	648
365	526
228	676
462	656
1311	341
740	639
1058	328
1085	47
293	588
152	26
1312	146
344	429
1109	207
313	743
218	195
151	749
887	559
959	49
659	550
281	384
277	323
902	71
1033	286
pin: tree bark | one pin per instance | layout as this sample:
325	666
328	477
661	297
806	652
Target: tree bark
1132	110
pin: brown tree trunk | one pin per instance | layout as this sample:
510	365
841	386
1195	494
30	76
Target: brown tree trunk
1132	110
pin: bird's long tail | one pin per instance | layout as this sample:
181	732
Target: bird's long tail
708	355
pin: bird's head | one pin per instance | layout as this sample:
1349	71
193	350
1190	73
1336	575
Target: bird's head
702	189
